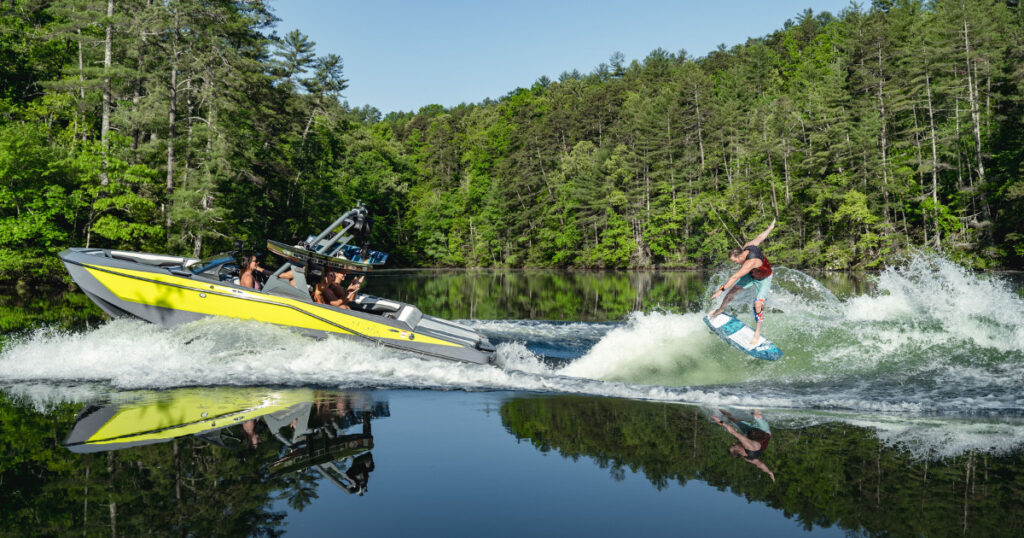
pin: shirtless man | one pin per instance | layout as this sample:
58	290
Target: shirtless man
754	271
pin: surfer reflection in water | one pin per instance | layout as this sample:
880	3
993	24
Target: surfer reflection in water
753	438
754	271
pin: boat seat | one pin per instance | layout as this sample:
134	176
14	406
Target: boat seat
375	305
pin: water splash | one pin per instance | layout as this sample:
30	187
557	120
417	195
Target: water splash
932	337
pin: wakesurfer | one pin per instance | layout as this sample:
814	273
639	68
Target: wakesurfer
755	270
753	438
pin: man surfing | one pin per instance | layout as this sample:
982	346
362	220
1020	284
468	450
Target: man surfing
754	271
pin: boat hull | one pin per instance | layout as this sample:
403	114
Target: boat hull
160	292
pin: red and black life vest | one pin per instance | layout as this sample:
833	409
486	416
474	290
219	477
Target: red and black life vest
758	273
760	436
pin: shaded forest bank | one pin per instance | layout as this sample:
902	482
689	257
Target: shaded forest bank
176	126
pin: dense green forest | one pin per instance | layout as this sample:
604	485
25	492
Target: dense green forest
178	125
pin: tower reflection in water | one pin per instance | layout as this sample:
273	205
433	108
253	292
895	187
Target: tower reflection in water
329	432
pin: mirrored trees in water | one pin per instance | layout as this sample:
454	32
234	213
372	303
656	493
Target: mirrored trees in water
830	474
197	462
215	461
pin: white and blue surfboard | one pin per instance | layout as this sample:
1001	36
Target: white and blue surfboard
739	335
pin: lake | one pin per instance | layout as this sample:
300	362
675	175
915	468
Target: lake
897	410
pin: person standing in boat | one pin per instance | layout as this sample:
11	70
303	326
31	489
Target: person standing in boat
755	270
753	438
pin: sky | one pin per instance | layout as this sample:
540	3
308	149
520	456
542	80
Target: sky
401	55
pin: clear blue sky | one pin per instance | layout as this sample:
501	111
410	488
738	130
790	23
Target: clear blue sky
403	54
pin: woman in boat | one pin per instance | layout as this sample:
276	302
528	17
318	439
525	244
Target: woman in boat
250	267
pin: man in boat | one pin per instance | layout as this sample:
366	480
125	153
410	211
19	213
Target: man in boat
754	271
753	438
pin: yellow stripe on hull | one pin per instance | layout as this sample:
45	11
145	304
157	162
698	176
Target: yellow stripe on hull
183	294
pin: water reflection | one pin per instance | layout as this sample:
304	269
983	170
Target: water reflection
829	473
310	427
207	461
752	436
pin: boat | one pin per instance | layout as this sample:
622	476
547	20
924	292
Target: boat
313	427
174	290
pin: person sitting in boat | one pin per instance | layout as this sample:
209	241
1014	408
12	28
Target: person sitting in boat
340	289
251	272
289	276
753	438
336	280
322	292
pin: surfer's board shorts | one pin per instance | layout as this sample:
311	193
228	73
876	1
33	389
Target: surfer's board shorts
754	424
762	287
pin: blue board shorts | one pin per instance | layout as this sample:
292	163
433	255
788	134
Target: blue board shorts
762	287
757	423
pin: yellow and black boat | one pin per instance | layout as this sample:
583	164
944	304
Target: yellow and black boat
313	427
173	290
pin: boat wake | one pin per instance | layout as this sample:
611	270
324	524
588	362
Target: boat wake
932	338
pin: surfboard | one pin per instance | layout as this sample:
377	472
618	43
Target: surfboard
739	335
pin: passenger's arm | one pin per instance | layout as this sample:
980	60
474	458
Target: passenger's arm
764	235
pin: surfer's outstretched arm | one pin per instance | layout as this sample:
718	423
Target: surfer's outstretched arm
747	267
762	236
763	467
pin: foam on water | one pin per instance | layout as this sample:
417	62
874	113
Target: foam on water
933	337
923	437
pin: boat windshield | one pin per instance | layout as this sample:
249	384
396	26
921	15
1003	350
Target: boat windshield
210	262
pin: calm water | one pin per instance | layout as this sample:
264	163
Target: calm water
897	410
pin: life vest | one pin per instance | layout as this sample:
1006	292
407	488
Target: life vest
760	436
758	273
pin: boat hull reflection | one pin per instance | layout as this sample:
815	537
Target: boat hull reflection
328	432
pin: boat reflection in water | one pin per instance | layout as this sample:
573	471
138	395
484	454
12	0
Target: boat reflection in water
322	431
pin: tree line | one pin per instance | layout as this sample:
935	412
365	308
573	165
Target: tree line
179	125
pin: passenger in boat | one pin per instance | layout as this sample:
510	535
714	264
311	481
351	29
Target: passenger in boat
753	438
250	268
338	287
322	292
252	437
287	275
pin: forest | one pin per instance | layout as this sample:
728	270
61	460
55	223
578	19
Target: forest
179	126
